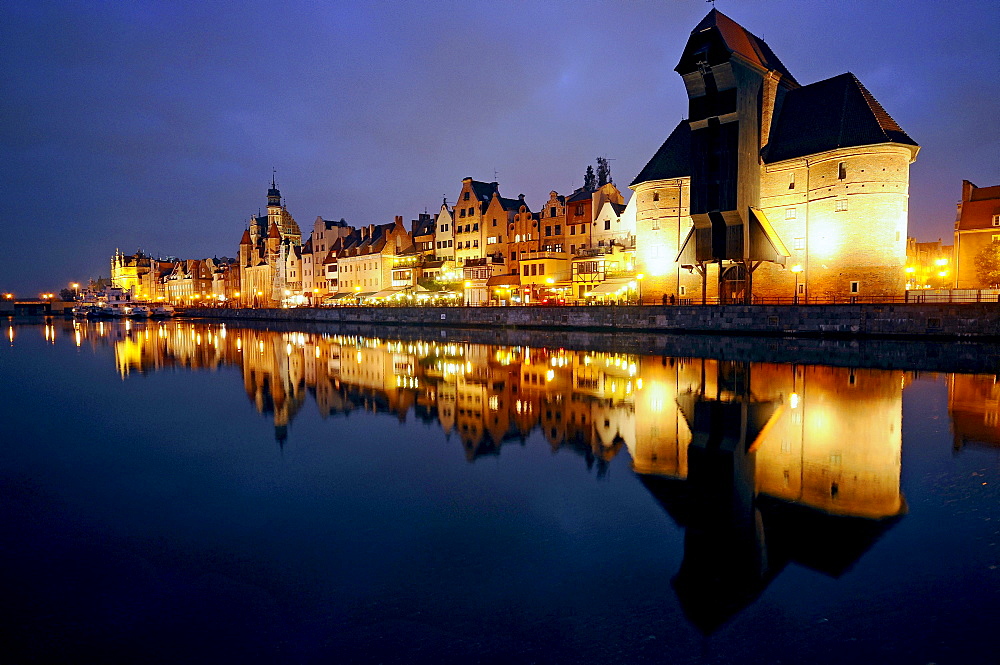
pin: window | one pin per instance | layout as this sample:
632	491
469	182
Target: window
607	225
572	249
791	181
656	225
842	171
683	290
558	229
462	213
475	227
996	220
790	213
548	230
513	256
475	243
579	208
465	196
855	287
552	211
472	211
799	243
840	205
541	268
494	221
572	230
656	196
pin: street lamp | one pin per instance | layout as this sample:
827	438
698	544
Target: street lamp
796	270
639	279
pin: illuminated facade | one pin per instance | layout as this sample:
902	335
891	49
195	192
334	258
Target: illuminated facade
264	253
767	175
976	226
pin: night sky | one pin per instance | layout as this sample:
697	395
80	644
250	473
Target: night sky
156	125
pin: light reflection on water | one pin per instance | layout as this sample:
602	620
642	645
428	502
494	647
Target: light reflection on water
760	465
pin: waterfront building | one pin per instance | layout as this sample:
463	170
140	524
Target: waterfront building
766	176
315	281
470	209
444	233
189	283
977	224
365	259
264	253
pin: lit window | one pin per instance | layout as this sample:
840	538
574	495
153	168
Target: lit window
840	205
656	224
996	220
790	213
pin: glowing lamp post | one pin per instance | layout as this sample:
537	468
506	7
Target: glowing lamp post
796	270
638	279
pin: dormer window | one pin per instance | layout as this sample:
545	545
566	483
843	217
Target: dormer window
842	171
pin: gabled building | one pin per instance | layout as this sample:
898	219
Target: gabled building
366	257
470	209
766	176
977	224
444	233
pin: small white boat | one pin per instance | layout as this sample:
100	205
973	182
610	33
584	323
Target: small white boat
138	311
161	311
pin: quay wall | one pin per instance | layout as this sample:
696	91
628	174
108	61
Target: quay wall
904	320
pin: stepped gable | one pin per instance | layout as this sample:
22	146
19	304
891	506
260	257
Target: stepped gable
836	113
672	160
735	39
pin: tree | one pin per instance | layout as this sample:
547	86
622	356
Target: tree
987	264
589	179
603	171
67	295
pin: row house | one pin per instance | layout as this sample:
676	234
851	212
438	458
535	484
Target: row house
189	282
315	252
365	258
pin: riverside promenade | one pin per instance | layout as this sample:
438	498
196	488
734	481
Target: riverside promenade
941	321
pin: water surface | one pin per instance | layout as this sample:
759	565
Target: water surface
193	492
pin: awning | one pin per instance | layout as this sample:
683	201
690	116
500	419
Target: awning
338	296
504	280
366	294
387	293
610	286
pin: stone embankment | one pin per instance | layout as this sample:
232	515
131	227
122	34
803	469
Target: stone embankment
925	320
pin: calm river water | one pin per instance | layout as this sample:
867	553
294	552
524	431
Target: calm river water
191	492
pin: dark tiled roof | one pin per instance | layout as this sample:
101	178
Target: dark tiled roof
736	39
836	113
580	194
672	160
483	191
619	208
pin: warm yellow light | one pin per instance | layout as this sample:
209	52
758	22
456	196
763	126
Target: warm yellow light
941	262
640	276
911	269
793	400
260	293
549	280
796	269
468	285
237	294
943	273
74	285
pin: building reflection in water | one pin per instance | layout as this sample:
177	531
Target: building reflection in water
974	408
760	464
